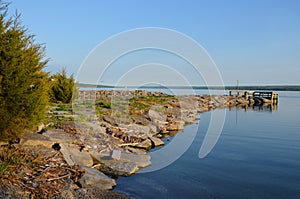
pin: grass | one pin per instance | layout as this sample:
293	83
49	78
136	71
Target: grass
132	109
103	104
4	167
28	169
143	104
54	118
10	158
115	109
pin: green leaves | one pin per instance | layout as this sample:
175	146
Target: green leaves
62	87
23	84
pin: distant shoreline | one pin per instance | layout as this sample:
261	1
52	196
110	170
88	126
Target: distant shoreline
273	88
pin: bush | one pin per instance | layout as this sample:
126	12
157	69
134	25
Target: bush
23	84
62	87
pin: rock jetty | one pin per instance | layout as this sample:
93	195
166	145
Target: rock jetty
119	128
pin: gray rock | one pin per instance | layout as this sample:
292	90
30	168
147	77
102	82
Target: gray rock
175	125
114	167
156	141
155	115
126	165
242	101
146	144
116	154
139	160
35	139
190	117
136	127
119	167
154	129
58	135
73	156
95	178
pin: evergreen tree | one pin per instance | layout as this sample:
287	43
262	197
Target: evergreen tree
23	83
62	87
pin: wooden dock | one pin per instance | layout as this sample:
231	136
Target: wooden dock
259	97
266	97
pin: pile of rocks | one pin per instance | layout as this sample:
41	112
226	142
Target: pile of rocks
104	149
99	165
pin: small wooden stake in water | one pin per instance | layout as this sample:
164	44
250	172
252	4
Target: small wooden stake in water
116	154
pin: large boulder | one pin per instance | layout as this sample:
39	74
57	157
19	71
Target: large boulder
189	116
156	141
175	125
126	164
136	128
139	160
156	115
35	139
118	167
242	101
146	144
58	135
94	178
73	156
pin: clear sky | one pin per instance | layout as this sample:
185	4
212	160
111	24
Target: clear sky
253	41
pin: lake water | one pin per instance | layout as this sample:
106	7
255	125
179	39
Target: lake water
256	156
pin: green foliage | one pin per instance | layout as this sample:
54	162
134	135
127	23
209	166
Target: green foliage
143	104
62	87
10	157
59	114
4	167
103	104
23	84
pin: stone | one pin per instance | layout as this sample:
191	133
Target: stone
146	144
136	127
73	156
154	129
156	141
139	159
58	135
251	101
155	115
242	101
126	165
119	167
175	125
189	117
116	154
114	167
94	178
35	139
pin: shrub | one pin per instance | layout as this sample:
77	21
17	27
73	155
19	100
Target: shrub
62	87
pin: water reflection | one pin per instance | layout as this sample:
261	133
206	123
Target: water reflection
266	107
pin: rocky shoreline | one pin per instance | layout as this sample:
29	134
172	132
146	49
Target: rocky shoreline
115	139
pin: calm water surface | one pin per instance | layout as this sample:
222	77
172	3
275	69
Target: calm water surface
257	156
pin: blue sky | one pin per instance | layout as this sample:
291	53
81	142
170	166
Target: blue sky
255	42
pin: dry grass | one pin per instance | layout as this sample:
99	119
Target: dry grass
38	172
